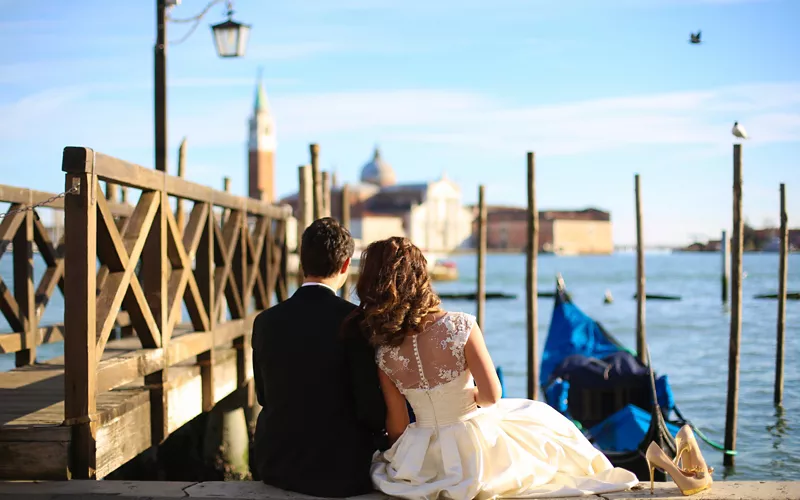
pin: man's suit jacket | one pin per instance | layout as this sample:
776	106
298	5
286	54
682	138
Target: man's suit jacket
321	398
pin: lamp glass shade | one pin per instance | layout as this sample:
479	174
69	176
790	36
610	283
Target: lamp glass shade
230	38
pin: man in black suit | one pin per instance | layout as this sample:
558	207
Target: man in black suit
323	410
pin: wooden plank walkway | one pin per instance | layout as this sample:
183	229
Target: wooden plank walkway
138	267
249	490
32	431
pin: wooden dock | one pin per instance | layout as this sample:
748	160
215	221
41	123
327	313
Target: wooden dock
250	490
128	268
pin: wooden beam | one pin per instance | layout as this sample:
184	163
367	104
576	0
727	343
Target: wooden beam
783	270
326	194
155	268
24	289
25	196
531	277
80	367
345	220
9	226
731	413
726	266
112	192
641	296
122	260
180	214
316	180
481	244
306	211
204	274
180	257
132	175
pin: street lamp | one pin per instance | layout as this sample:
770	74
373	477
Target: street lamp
230	39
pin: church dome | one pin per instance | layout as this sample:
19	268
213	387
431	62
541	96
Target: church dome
378	172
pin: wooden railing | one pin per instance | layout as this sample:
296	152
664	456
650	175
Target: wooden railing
23	231
230	257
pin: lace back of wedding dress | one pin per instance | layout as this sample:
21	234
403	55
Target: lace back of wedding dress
431	358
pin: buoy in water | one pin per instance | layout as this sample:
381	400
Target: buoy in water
608	298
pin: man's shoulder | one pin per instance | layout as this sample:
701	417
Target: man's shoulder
268	315
344	304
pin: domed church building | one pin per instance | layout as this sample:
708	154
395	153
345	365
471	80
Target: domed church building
431	213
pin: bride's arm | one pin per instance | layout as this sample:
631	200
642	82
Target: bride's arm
480	364
396	410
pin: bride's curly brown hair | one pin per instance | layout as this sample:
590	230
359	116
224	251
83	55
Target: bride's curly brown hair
395	291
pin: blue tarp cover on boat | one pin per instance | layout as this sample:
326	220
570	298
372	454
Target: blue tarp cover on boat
572	332
619	368
624	430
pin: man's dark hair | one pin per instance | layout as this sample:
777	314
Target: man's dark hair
325	246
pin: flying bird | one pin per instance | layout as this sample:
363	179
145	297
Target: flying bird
738	131
695	37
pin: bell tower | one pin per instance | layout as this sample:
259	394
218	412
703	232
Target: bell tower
261	146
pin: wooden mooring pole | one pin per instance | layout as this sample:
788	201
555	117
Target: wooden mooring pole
180	210
480	297
345	221
782	275
306	212
725	247
326	194
531	297
736	308
641	296
112	191
316	179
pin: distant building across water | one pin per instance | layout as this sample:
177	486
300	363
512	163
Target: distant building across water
431	214
562	232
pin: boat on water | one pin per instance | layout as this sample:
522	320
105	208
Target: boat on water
619	403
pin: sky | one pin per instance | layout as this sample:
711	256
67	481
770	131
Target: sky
599	89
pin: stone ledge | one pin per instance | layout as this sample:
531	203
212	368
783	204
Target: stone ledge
251	490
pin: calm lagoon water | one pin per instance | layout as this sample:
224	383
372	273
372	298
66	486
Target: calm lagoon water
688	339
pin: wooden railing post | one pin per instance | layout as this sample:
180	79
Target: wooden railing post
204	272
180	210
24	291
242	344
155	274
283	277
80	366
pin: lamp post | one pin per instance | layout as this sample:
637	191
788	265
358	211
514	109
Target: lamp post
230	40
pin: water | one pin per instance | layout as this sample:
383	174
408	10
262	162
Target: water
688	339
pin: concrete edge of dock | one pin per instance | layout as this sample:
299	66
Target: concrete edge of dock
247	490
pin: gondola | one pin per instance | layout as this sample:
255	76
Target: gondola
615	399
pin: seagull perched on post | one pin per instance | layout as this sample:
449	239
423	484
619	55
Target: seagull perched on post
739	131
695	37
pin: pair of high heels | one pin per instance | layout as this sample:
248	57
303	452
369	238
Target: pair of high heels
688	470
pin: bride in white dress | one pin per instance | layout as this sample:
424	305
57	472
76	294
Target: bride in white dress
466	442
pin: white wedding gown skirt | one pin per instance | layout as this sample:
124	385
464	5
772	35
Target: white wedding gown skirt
515	449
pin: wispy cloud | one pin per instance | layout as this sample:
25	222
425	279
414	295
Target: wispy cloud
770	112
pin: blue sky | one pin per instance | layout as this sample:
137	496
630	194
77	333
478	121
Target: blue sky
599	89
